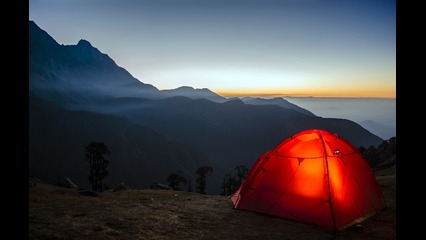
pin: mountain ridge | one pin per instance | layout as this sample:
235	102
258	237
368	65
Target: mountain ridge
92	90
85	57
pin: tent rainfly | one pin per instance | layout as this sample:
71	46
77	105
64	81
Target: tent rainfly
315	177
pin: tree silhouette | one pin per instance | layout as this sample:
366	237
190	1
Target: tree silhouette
201	178
362	150
95	152
228	184
231	183
175	179
386	150
377	156
242	172
224	185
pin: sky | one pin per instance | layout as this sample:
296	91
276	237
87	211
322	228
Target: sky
321	48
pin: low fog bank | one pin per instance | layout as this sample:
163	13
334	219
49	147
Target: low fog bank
377	115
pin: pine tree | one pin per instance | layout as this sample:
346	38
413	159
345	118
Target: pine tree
175	179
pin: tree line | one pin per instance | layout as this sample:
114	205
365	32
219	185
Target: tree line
175	180
96	157
379	157
230	182
96	151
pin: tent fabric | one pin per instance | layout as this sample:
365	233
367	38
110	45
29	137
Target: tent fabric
315	177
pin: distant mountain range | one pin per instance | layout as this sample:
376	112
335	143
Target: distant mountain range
78	95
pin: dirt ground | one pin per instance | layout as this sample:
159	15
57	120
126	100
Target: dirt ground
62	213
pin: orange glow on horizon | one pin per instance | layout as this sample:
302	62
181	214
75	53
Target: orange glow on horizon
283	93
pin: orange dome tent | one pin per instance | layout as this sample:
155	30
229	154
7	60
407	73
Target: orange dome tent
315	177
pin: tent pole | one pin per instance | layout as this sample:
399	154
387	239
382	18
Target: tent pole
328	183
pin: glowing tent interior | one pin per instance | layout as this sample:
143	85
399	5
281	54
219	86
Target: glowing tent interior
315	177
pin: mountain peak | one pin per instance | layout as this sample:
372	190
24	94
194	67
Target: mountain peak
185	88
73	65
84	43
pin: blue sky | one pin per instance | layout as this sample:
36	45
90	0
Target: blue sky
238	47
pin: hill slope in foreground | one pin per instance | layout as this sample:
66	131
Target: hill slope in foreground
62	213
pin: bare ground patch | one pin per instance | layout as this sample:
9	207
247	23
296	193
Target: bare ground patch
60	213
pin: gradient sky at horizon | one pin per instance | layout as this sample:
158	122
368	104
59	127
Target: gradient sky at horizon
324	48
